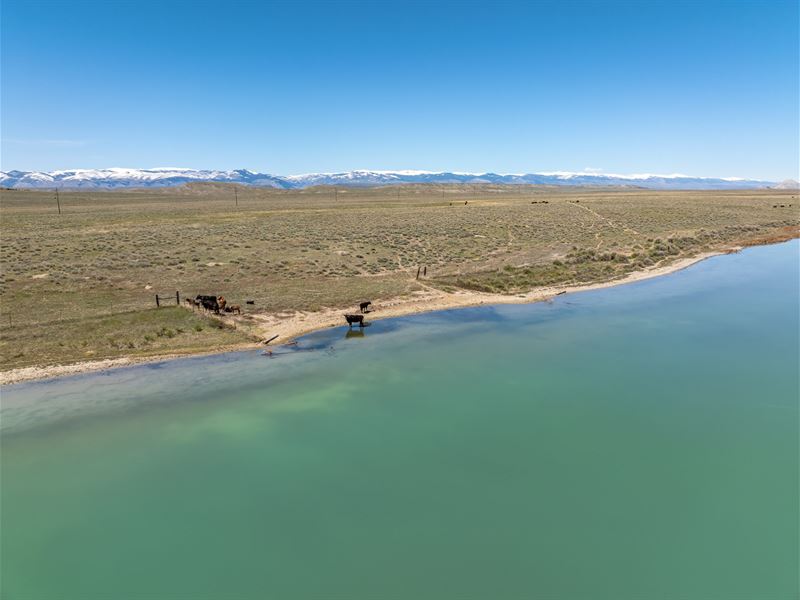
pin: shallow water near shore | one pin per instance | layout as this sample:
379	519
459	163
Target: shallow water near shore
637	441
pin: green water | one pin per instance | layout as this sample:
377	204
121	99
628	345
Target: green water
636	442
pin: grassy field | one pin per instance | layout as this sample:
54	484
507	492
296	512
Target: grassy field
81	284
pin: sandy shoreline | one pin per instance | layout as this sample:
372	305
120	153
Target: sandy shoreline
301	323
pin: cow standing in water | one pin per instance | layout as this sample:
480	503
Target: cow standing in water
355	320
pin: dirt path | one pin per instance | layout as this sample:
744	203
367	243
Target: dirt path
610	222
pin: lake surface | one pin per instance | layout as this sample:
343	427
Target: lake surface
634	442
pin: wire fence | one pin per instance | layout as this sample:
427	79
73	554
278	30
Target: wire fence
168	299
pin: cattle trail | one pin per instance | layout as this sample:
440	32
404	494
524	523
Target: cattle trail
610	222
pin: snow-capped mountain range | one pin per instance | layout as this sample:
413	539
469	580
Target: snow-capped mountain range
163	177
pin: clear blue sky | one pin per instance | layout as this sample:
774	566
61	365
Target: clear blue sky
702	88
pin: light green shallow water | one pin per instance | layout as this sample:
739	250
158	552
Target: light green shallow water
636	442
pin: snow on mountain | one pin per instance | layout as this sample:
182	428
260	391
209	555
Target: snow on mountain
787	184
171	176
674	181
132	178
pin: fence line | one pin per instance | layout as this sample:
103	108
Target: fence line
161	299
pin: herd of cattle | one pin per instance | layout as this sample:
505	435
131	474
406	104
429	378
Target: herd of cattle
218	304
215	304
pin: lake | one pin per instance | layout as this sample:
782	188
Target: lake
632	442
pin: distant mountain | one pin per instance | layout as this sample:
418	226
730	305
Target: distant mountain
664	182
787	184
132	178
165	177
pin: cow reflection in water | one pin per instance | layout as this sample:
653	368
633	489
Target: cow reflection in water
354	333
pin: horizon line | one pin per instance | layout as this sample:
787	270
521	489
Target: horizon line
406	172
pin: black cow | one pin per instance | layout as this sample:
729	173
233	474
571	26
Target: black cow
364	306
208	302
355	319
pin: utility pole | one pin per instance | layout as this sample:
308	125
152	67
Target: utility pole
236	195
58	202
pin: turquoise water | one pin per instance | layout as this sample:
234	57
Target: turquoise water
635	442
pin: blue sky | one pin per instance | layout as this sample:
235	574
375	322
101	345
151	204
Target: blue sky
702	88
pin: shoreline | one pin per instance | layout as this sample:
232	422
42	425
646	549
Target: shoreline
302	323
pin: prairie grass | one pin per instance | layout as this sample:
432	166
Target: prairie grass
147	332
98	265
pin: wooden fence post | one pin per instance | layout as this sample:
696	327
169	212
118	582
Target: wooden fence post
418	269
157	304
177	298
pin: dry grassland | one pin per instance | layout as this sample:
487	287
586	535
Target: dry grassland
81	284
